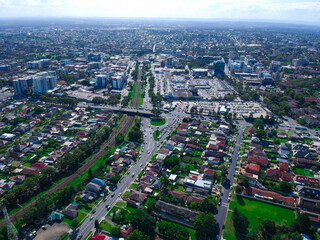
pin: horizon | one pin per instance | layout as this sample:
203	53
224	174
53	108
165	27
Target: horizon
285	11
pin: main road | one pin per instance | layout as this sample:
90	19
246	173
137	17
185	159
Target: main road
227	187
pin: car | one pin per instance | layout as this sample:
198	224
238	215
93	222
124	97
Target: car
91	217
104	199
119	195
112	195
94	211
128	172
107	206
44	228
229	199
141	165
219	203
79	237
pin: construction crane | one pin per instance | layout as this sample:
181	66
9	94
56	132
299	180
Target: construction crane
12	231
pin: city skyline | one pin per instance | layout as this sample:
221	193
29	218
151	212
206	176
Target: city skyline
305	11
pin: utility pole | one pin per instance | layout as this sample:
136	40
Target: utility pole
12	231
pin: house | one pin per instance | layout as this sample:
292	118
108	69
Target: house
99	236
307	180
310	204
126	230
92	187
98	182
134	198
209	173
269	196
252	168
302	162
55	217
176	211
39	166
257	160
71	211
19	179
313	193
250	131
314	217
117	169
29	171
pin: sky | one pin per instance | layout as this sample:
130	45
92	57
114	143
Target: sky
303	11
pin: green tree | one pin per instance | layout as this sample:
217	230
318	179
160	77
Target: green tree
243	180
138	235
240	224
285	187
164	181
266	230
208	204
205	225
90	173
144	222
258	123
96	224
116	231
75	222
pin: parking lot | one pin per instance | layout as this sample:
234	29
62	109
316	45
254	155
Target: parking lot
52	232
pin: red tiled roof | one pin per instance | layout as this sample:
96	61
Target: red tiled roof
38	165
209	171
253	168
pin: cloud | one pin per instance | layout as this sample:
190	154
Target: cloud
303	10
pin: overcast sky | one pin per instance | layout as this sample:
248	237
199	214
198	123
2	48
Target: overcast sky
283	10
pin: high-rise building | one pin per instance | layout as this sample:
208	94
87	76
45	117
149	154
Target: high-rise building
117	82
36	84
101	81
178	53
275	66
219	67
93	57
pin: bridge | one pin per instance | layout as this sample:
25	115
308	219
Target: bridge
127	110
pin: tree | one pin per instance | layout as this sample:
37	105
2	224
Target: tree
285	187
119	138
238	189
240	224
164	181
151	204
224	170
208	204
156	112
303	225
266	230
96	224
75	222
205	225
144	222
138	235
90	173
260	133
116	231
38	110
243	180
258	123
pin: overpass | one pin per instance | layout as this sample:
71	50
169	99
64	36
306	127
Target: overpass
127	110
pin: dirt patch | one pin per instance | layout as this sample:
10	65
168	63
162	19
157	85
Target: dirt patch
53	232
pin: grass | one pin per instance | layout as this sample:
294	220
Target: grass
156	135
256	212
88	235
133	186
303	172
140	98
106	226
158	121
120	204
15	164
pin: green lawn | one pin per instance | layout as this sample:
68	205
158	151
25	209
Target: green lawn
120	204
303	172
133	186
156	135
106	226
140	98
256	212
158	121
